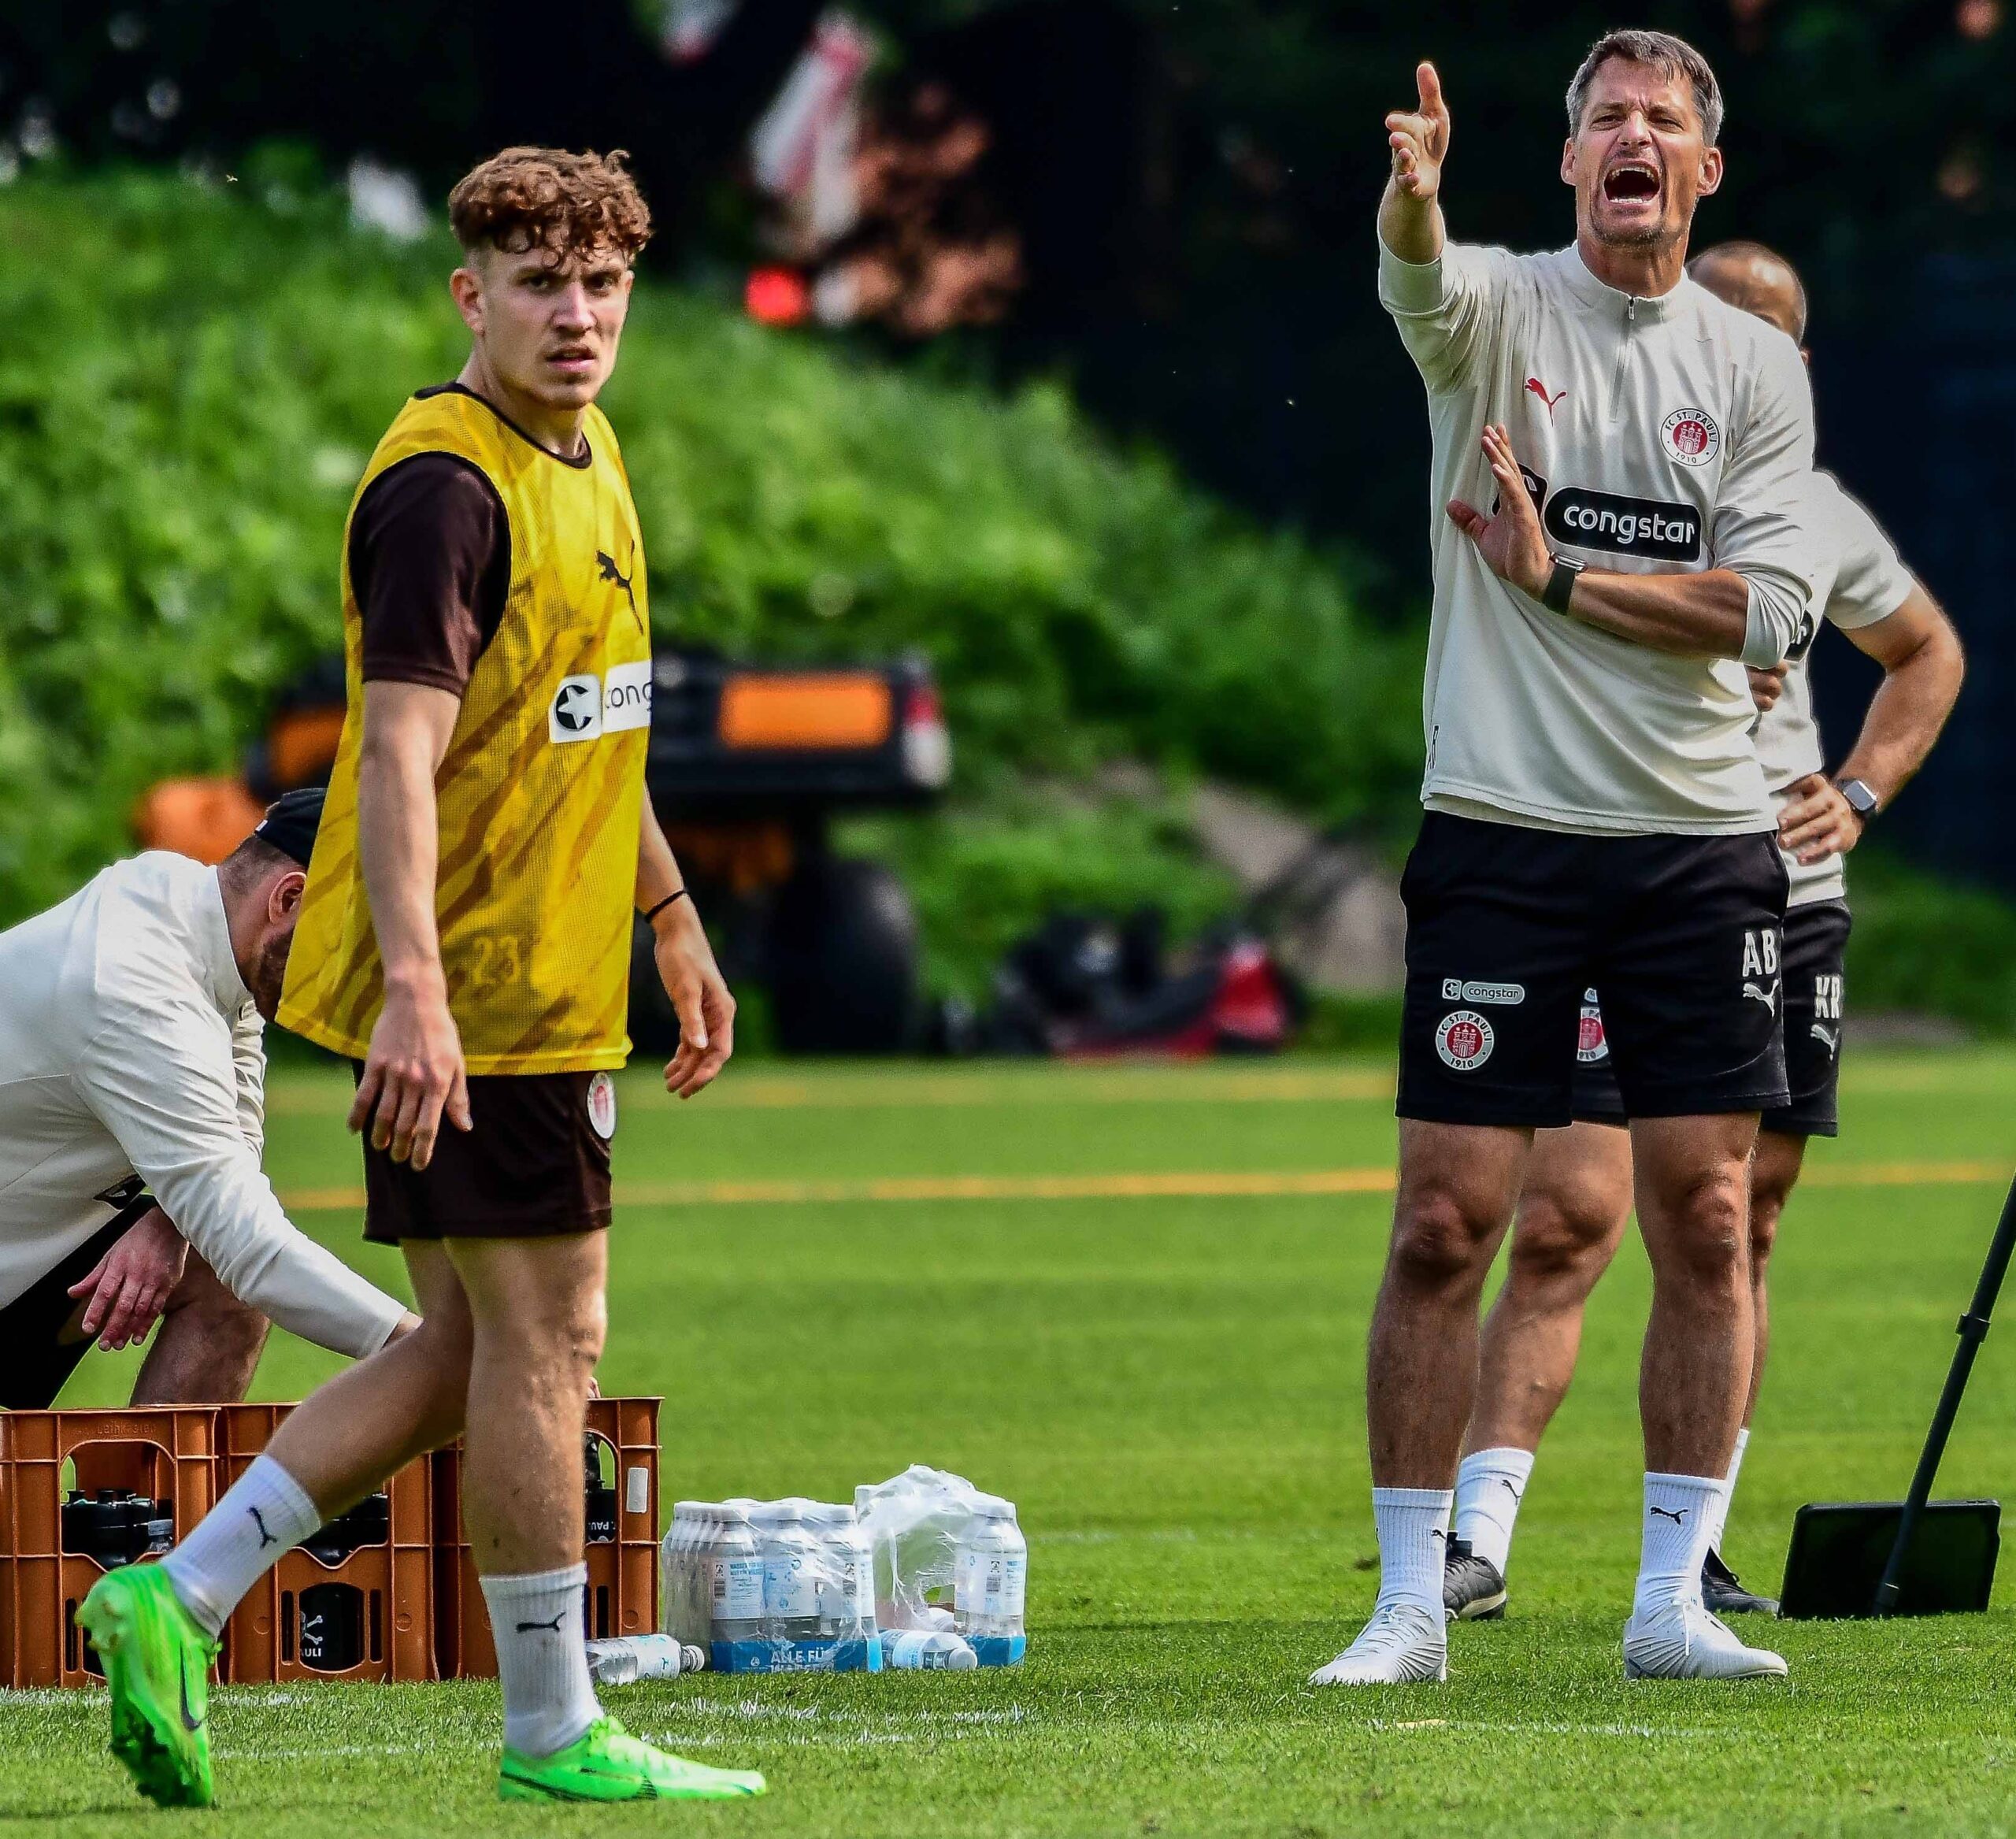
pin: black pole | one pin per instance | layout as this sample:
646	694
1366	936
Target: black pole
1974	1331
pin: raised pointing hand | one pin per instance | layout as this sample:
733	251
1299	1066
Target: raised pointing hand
1419	138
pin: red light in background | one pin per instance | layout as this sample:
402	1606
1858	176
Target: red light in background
777	297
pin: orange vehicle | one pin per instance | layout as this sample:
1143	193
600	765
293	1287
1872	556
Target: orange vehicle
748	765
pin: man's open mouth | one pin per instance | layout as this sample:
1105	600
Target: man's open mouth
1631	182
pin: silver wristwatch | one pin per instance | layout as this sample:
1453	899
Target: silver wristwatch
1862	801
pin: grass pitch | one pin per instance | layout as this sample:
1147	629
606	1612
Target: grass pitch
1135	1301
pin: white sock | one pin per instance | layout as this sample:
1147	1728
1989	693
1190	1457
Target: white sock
1719	1525
1411	1541
1490	1485
1679	1512
541	1657
264	1514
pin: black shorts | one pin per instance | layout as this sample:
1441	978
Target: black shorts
42	1338
536	1160
1815	990
1507	927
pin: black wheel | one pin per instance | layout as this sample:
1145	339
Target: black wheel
842	961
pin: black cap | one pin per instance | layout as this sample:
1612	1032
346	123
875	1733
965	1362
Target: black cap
291	820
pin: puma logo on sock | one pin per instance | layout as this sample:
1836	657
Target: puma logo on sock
258	1520
526	1628
1675	1514
1515	1493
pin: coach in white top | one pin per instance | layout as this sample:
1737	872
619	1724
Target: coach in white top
1575	1206
131	1058
1617	506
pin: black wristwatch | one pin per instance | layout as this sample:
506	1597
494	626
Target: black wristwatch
1561	584
1862	801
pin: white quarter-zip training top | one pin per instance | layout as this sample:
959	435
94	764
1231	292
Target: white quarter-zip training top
1658	436
1863	581
129	1045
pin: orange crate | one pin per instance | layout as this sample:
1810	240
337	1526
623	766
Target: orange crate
622	1596
361	1608
165	1453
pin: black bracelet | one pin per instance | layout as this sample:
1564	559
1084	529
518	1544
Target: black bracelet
663	904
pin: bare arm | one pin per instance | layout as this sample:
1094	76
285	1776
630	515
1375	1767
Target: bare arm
692	979
414	1067
1411	212
1922	667
1704	615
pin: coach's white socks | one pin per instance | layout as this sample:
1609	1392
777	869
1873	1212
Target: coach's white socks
1490	1485
1719	1525
1412	1536
541	1657
264	1514
1680	1512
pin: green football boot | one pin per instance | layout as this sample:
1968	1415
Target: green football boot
608	1764
157	1660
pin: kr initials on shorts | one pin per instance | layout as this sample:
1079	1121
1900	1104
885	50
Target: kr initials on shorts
1507	926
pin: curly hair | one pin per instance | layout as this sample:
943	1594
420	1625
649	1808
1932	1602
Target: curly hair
530	197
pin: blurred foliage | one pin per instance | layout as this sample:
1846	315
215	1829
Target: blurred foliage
983	873
1921	943
196	373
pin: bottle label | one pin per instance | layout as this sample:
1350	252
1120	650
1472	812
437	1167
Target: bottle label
991	1583
791	1584
735	1586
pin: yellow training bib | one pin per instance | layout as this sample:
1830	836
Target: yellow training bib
539	795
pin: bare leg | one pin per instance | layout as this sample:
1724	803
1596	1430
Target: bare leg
1457	1187
1573	1207
1773	1174
207	1346
373	1418
539	1315
1693	1182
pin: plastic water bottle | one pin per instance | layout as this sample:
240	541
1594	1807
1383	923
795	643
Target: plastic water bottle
682	1611
734	1610
846	1578
912	1650
633	1657
990	1572
791	1560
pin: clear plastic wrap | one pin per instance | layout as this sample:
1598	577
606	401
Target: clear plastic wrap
846	1574
991	1571
914	1522
805	1585
682	1606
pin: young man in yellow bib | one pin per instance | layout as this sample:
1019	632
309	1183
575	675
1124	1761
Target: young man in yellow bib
464	939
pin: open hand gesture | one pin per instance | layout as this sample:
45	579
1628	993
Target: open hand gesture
1419	138
1514	545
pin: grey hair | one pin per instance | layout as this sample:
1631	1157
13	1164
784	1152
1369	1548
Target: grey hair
1672	58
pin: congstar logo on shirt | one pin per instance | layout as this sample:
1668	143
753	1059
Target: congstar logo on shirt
588	707
1623	526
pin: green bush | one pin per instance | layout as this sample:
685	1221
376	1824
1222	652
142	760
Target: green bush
1921	943
195	373
983	872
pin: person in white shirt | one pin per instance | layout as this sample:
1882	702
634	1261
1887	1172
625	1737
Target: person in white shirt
1617	502
131	1126
1575	1203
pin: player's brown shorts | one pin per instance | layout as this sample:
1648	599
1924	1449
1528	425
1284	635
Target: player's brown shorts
536	1162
